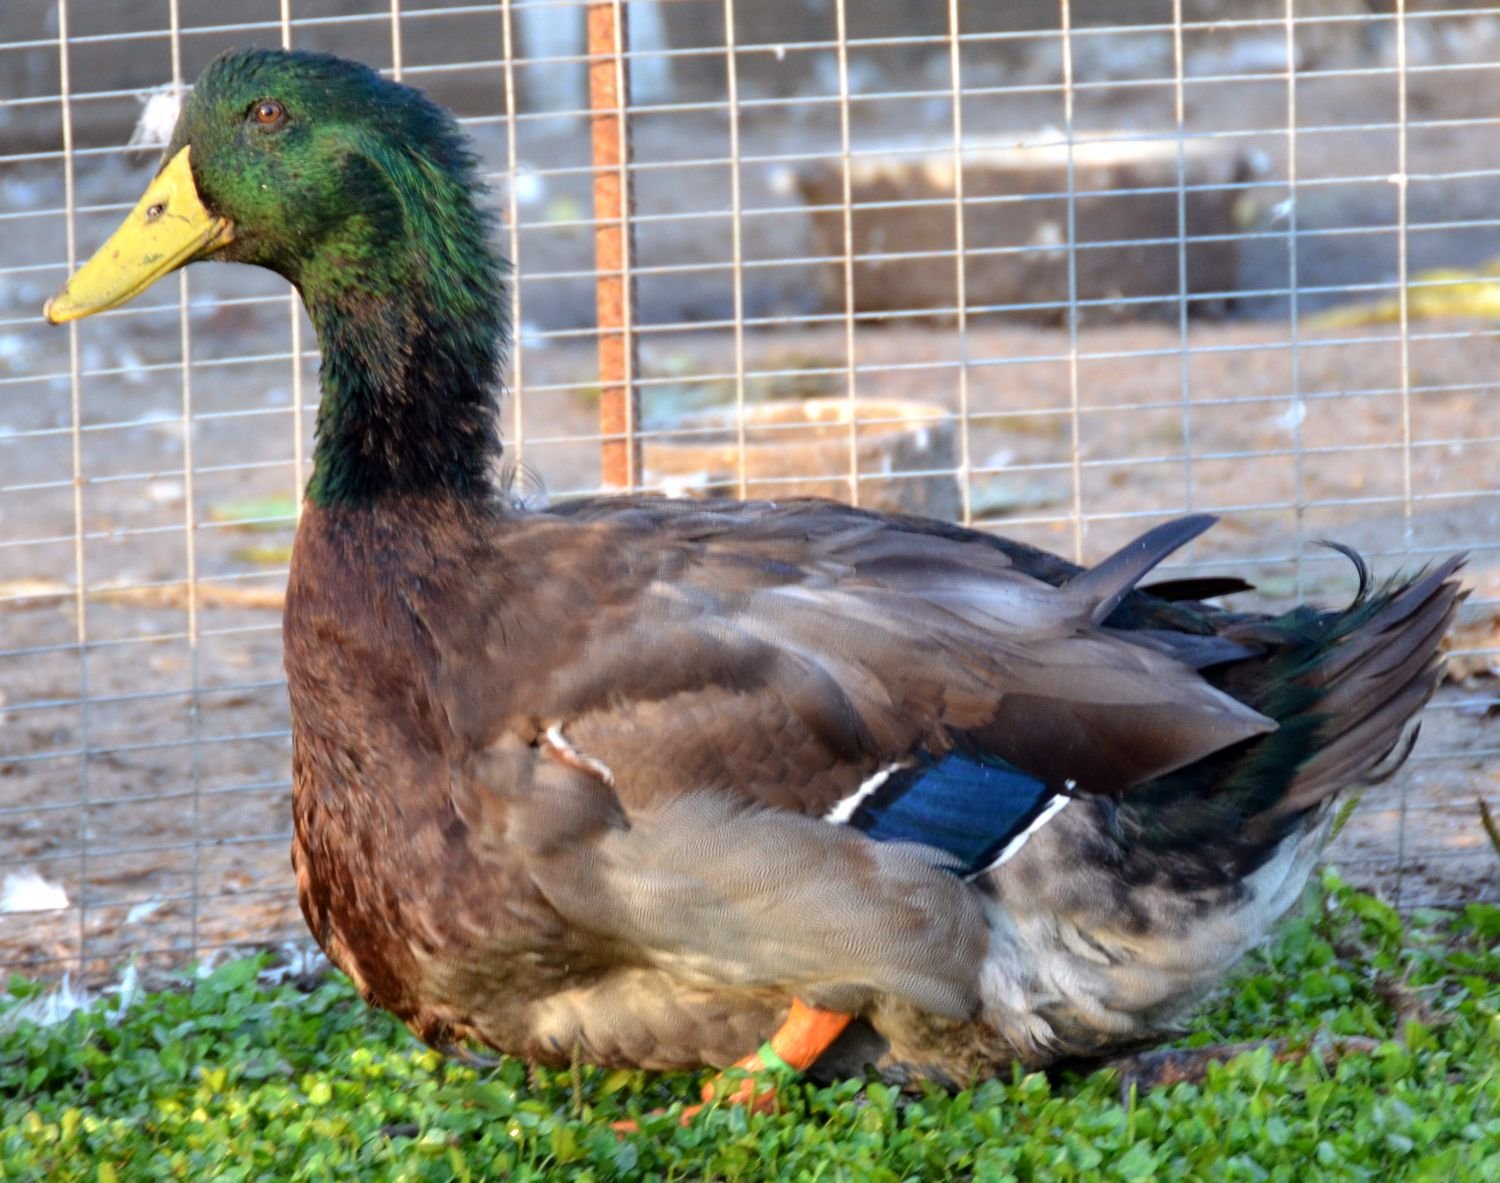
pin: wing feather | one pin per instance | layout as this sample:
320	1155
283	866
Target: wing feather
785	653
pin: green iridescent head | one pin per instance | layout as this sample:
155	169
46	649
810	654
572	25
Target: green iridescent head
362	193
299	153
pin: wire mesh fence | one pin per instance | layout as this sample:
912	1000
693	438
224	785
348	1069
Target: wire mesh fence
1057	269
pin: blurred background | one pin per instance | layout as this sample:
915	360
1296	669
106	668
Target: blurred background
1057	269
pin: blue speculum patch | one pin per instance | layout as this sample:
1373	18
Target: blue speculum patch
972	807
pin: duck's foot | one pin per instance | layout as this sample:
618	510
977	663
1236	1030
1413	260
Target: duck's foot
796	1046
468	1056
1168	1066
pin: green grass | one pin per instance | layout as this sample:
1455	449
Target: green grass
233	1080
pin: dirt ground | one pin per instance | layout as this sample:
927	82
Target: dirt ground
173	829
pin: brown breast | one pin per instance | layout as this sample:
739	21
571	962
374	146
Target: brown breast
391	882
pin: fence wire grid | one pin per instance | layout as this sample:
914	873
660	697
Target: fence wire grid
1057	269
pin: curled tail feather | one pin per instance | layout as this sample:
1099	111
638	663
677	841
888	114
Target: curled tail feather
1344	688
1374	681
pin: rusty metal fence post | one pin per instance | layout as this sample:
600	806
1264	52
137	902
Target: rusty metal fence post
614	291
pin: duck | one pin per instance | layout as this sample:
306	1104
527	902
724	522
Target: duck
792	786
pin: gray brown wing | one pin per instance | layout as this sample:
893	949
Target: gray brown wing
786	653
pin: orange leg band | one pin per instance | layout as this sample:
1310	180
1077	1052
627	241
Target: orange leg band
802	1038
799	1041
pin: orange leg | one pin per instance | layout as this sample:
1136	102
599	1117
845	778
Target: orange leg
796	1046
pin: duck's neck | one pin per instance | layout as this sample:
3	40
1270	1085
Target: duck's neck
410	316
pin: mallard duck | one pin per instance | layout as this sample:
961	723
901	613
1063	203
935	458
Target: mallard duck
669	784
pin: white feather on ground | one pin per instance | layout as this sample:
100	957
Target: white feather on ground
159	110
63	1001
26	891
49	1009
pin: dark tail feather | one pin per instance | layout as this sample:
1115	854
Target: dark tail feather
1375	679
1107	583
1209	587
1344	688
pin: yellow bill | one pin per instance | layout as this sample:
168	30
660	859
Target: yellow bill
168	228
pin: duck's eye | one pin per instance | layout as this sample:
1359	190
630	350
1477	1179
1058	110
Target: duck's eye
269	113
